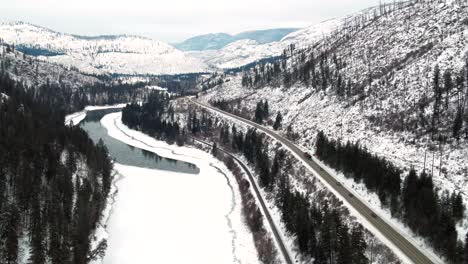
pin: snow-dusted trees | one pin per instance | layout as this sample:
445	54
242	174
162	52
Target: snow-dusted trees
154	117
11	230
377	174
417	203
262	111
278	121
457	124
432	216
37	194
320	231
437	100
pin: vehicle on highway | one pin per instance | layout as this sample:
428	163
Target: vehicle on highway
307	155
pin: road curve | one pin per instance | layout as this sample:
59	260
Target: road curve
412	252
265	210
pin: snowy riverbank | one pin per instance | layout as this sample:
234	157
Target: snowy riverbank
167	217
76	118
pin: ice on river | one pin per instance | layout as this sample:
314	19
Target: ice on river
167	217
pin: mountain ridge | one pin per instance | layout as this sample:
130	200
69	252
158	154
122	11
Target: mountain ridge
216	41
119	54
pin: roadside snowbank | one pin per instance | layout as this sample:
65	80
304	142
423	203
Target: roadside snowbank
169	217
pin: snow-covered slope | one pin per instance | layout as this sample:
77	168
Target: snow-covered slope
238	53
313	33
31	72
102	54
384	67
245	51
220	40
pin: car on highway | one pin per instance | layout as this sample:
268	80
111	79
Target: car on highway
307	155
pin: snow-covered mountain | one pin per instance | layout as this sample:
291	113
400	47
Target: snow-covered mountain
102	54
33	72
220	40
245	51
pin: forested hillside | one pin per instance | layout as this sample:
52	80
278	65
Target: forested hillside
68	89
393	81
54	180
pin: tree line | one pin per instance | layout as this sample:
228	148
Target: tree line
319	230
417	203
154	117
43	198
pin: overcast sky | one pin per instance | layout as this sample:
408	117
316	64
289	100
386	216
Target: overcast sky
175	20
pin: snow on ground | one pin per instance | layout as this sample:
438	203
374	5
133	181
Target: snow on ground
24	248
76	118
246	51
372	201
321	112
309	112
172	217
297	178
105	54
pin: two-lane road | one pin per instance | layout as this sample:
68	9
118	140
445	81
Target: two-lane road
399	242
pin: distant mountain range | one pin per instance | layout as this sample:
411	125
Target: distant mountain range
136	55
217	41
245	51
121	54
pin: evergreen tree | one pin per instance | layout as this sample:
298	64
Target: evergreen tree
343	252
457	206
358	245
325	240
259	114
437	99
37	230
11	234
457	124
465	251
448	85
278	120
214	150
266	109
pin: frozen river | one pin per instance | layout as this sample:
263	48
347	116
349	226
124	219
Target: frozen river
180	205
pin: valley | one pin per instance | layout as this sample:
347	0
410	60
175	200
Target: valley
341	142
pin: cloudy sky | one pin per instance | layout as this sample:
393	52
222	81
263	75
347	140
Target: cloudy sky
175	20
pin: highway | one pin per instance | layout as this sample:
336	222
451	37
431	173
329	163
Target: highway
412	252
